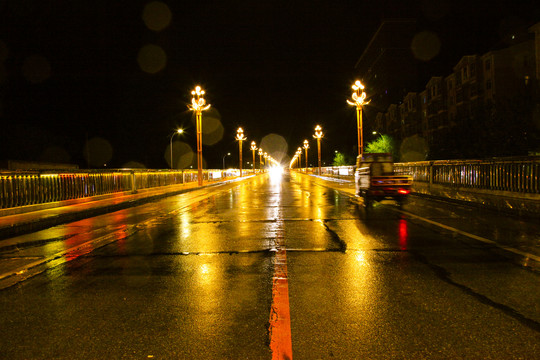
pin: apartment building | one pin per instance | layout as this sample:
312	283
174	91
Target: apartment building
477	87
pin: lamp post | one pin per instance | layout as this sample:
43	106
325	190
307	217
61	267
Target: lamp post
253	149
318	135
299	157
306	147
240	137
178	131
359	97
260	159
224	159
198	105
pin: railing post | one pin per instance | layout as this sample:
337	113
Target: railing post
133	182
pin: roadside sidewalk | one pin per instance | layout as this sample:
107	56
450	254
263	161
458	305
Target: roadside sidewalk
22	257
25	219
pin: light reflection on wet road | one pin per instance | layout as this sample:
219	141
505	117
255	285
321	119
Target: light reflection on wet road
191	277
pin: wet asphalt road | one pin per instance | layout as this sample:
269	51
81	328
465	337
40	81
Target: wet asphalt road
191	277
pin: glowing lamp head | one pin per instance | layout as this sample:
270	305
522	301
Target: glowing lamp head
240	134
198	103
318	132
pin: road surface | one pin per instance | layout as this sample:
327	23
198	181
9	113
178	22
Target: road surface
278	267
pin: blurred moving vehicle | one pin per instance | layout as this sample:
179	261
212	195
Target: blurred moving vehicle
375	179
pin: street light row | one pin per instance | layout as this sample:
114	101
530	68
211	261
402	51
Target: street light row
297	158
198	105
267	158
358	100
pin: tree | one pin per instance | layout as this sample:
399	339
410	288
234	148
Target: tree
340	159
384	144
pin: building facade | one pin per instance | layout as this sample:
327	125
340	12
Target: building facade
480	93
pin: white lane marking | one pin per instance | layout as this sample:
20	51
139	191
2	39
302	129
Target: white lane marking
472	236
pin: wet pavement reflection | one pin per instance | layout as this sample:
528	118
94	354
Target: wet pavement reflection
194	276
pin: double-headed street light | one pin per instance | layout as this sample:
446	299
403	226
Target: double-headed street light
178	131
198	105
359	97
318	135
306	147
240	137
253	149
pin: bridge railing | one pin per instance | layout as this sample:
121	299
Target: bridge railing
21	188
506	174
517	175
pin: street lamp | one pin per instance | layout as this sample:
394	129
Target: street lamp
265	155
299	157
260	159
306	147
253	149
178	131
198	105
240	137
359	102
228	154
318	135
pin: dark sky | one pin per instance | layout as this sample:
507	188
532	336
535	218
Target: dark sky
70	71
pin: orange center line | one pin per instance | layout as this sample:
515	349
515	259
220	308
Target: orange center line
280	317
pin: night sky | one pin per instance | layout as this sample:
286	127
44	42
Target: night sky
121	72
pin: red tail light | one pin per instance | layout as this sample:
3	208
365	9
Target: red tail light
403	191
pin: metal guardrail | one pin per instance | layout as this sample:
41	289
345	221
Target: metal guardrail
21	188
506	174
516	175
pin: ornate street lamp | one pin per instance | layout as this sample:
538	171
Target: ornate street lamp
306	147
359	97
318	135
240	137
178	131
260	159
253	149
298	155
198	105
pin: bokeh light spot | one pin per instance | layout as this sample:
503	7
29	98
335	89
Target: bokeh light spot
183	155
36	69
212	128
276	146
425	45
414	148
156	15
98	152
152	59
